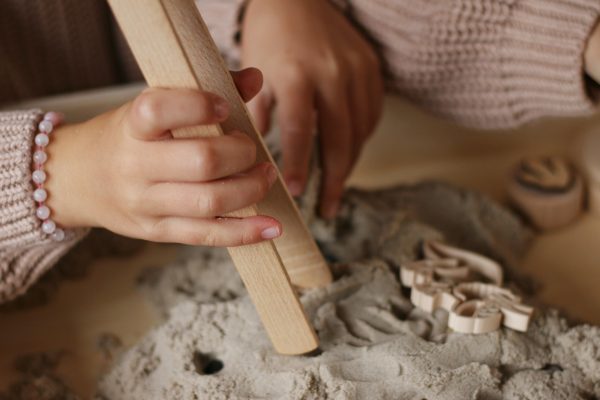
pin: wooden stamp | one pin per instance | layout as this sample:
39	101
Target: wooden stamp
174	49
548	191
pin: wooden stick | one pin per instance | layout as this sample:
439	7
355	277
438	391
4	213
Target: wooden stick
174	49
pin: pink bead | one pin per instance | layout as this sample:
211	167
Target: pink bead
45	126
40	157
58	235
54	117
42	140
42	212
38	176
48	226
40	195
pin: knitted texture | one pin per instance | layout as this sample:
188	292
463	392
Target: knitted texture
25	251
485	63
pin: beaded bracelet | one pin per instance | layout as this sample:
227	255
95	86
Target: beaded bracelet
45	127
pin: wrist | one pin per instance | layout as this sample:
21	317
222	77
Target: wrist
592	54
66	194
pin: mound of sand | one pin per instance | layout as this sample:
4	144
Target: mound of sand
374	344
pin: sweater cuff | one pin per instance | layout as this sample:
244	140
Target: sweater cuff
223	17
25	251
542	59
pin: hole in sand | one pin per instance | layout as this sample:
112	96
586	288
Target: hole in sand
552	368
207	364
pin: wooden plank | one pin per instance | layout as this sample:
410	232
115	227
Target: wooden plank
174	49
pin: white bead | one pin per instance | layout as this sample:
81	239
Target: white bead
45	126
40	157
49	226
58	235
42	140
40	195
42	212
38	176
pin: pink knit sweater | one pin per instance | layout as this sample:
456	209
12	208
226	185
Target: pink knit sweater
485	63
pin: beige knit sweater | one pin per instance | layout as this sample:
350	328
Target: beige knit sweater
485	63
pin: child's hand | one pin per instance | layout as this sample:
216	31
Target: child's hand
123	171
315	63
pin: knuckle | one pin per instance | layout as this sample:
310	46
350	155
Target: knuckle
147	107
201	104
210	204
294	128
247	149
131	201
261	188
294	73
156	230
206	159
334	68
206	239
247	238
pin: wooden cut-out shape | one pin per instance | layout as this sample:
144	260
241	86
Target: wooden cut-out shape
174	49
429	296
482	308
443	262
548	191
424	271
449	278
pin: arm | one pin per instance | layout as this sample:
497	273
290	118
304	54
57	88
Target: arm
497	64
25	252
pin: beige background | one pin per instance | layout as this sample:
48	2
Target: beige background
408	146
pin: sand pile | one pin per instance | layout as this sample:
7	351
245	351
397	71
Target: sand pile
374	344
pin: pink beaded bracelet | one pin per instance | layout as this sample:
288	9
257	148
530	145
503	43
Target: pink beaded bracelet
45	127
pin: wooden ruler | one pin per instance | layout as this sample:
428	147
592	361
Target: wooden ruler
174	49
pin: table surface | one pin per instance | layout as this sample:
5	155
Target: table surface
408	146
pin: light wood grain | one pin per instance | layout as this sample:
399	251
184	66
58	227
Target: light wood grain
174	49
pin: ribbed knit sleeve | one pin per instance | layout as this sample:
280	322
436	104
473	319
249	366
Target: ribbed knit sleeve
25	251
485	63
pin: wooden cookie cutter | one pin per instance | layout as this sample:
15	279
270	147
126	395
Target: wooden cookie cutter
548	191
449	264
174	49
474	307
482	308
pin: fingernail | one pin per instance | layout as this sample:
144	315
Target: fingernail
221	107
295	188
270	233
271	174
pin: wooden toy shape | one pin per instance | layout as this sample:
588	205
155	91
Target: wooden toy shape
449	264
429	296
482	308
448	278
548	191
174	49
